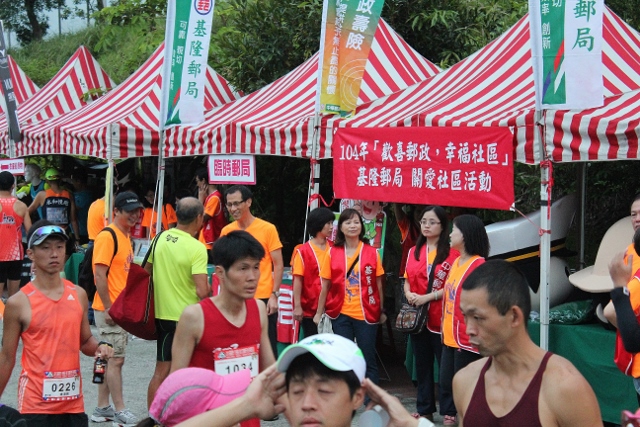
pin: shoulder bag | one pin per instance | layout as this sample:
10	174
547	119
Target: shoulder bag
411	319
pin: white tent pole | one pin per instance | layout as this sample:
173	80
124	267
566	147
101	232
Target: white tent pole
545	238
160	184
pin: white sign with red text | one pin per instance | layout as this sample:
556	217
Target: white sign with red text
15	166
232	169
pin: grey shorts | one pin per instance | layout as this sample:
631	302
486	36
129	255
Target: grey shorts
112	333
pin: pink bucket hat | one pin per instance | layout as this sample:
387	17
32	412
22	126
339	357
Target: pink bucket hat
191	391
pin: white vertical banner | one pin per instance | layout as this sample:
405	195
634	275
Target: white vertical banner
186	50
566	43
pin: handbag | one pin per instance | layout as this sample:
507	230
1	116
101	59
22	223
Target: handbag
411	319
133	310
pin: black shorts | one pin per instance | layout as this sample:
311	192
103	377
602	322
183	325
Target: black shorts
10	270
57	420
166	330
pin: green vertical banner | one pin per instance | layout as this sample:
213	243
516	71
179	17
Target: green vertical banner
348	29
186	51
566	42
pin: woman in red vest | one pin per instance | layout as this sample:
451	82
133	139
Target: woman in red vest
352	288
307	261
469	237
427	269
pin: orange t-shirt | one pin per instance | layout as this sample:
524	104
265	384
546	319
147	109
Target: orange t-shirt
96	220
451	288
267	235
119	265
351	306
149	219
51	354
636	258
212	207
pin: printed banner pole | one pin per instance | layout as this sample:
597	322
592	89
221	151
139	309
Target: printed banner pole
566	45
186	50
15	134
348	29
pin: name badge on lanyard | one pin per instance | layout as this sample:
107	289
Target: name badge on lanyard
58	386
232	360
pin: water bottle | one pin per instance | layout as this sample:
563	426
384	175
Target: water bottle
99	367
374	417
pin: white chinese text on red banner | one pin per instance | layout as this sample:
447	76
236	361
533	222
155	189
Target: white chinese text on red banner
232	169
348	28
566	42
185	61
449	166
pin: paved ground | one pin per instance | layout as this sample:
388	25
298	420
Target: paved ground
140	363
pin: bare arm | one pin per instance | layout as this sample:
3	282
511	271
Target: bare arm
266	352
202	286
610	314
297	293
12	328
21	209
278	269
569	396
187	335
322	299
261	400
102	288
88	343
37	202
398	415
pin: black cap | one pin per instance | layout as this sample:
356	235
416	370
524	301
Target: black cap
127	201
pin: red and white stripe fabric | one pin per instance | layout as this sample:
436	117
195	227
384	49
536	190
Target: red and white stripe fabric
125	122
23	87
606	133
65	92
279	118
494	87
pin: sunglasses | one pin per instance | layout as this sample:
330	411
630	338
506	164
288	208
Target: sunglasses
43	232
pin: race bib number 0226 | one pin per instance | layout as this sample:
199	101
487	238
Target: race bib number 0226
58	386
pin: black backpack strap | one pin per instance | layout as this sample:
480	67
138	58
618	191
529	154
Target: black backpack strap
151	249
115	244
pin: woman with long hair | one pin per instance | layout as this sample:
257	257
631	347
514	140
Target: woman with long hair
427	269
468	237
351	292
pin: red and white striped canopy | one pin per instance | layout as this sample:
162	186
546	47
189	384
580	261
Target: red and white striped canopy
65	92
606	133
279	118
23	86
494	87
125	122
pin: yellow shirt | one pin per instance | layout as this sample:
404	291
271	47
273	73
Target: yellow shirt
351	306
119	266
267	235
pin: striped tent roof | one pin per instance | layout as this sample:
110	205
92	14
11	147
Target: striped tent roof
125	120
65	92
23	86
279	118
494	87
606	133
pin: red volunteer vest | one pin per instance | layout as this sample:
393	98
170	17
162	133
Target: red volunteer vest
418	277
459	327
212	228
369	297
311	282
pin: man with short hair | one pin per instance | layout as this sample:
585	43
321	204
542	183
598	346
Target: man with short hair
227	332
50	315
238	200
14	215
111	273
517	383
35	185
178	267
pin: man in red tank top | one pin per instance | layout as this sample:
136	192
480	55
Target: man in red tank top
13	215
50	316
517	383
228	332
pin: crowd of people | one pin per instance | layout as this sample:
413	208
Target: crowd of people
216	360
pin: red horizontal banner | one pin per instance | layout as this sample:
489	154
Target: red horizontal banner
448	166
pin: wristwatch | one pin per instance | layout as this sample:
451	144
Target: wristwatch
276	293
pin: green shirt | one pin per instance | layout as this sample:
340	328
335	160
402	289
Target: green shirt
176	258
